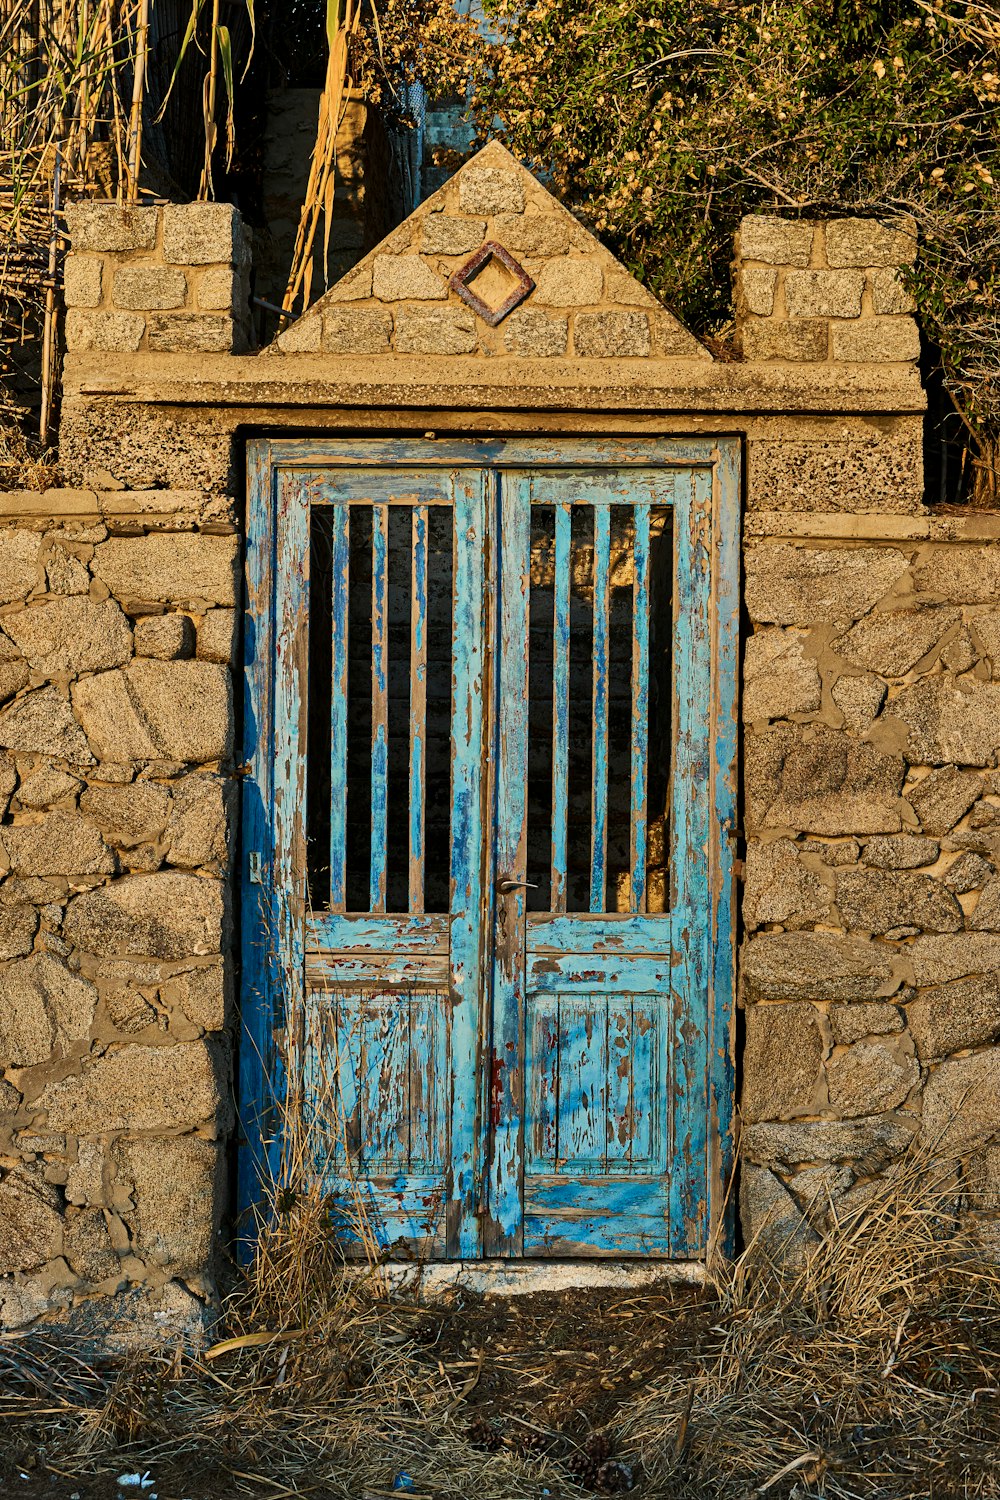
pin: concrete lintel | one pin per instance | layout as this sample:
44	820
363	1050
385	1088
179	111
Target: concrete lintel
527	1278
512	385
975	526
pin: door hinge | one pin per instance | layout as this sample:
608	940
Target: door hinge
256	869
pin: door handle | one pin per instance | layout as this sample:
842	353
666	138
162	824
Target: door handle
507	887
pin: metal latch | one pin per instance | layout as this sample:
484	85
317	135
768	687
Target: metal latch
256	869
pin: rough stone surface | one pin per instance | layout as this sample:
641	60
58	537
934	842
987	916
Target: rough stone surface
19	556
490	190
103	332
166	637
72	635
825	782
859	700
178	709
870	1143
791	585
611	335
965	1013
756	290
871	1076
201	995
816	966
191	333
198	234
88	1248
888	292
778	678
82	277
18	925
170	568
780	888
61	843
174	1185
540	234
534	335
943	797
986	916
969	871
85	1177
824	294
140	1088
891	642
128	815
165	915
406	278
872	339
30	1222
110	226
217	636
986	635
962	1103
867	242
779	242
804	339
197	833
445	330
359	330
149	288
783	1053
850	1023
901	851
877	900
567	282
43	1006
959	575
14	672
776	1230
42	723
66	574
444	234
949	720
936	960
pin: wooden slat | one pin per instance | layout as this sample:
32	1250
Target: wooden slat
380	707
640	712
615	932
599	775
601	486
378	934
542	1078
583	1078
340	588
560	704
621	1110
384	1081
550	453
418	704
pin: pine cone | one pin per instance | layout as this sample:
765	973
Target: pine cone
613	1477
528	1440
598	1445
482	1433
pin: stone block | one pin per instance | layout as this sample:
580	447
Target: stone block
149	288
62	843
217	636
892	642
141	1088
176	1189
166	915
165	637
824	294
985	631
901	851
871	1076
191	333
66	636
30	1221
781	1061
18	925
198	830
128	815
817	966
178	710
779	887
129	1011
941	798
871	1144
535	335
959	575
42	723
201	994
889	295
950	1017
961	1104
805	339
969	871
778	1235
406	278
568	282
624	290
103	332
357	330
850	466
755	290
986	916
836	853
43	1006
868	242
88	1248
823	782
169	568
66	574
611	335
792	585
85	1177
447	234
779	242
433	330
851	1023
82	278
303	336
778	678
221	289
948	719
879	900
110	226
490	190
818	1188
19	563
876	341
936	960
533	234
14	672
199	234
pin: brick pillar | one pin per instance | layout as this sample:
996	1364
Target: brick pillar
825	292
170	279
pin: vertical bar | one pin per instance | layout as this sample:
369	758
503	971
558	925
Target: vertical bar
380	707
560	705
640	709
340	569
599	776
418	703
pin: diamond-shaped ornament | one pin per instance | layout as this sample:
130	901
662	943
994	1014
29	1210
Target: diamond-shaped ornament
503	283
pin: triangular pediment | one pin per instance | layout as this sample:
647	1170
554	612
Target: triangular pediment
491	266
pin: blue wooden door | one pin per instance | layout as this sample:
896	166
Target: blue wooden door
487	943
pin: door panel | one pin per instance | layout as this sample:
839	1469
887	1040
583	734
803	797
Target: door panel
482	953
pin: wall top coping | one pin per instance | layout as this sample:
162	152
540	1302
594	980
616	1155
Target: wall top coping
307	380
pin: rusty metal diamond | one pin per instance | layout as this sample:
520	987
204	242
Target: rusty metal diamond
462	280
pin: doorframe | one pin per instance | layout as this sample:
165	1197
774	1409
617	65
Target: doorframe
271	940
